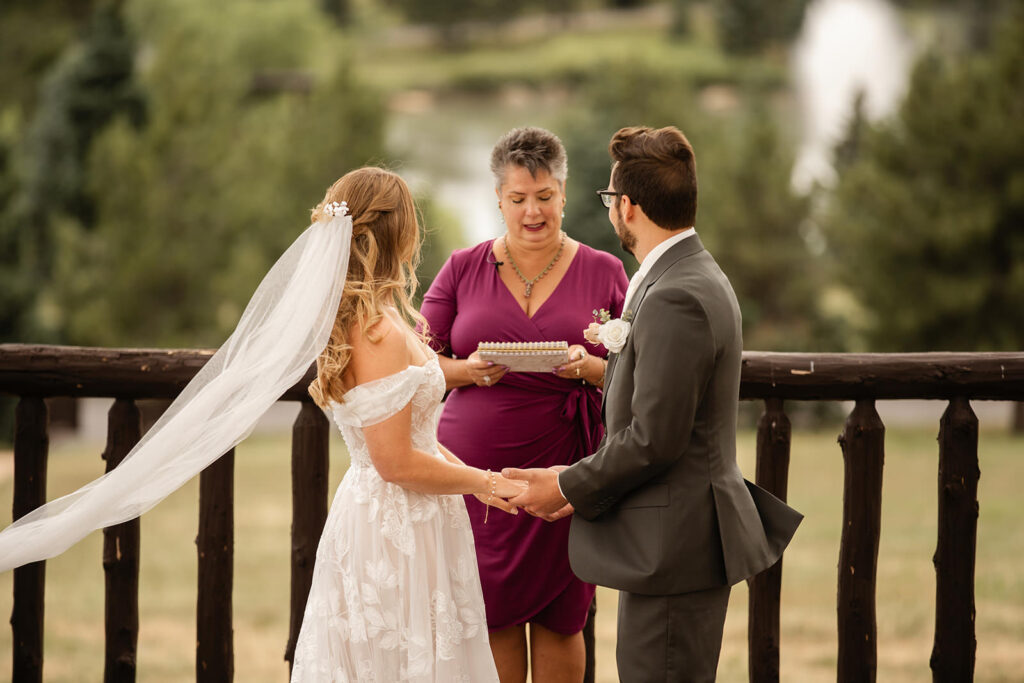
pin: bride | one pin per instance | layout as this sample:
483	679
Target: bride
395	594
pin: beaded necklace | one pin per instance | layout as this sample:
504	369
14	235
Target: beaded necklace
530	283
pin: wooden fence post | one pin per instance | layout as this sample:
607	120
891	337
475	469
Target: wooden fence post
121	558
31	446
863	444
954	647
215	660
773	442
310	450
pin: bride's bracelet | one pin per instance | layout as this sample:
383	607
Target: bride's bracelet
490	494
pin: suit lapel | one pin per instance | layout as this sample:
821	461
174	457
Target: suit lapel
688	247
612	360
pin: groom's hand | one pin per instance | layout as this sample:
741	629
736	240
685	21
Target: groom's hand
542	498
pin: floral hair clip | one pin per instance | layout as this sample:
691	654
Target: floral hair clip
336	209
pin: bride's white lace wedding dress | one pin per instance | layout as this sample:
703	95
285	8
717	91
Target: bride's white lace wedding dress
396	594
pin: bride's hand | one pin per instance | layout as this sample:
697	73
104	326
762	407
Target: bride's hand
495	502
503	489
508	488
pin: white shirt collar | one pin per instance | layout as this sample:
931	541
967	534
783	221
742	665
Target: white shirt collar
652	257
654	254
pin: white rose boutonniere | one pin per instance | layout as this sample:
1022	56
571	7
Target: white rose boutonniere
612	332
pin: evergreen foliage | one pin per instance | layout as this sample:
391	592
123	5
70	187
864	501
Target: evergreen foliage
614	98
339	10
926	226
447	15
33	35
88	86
192	209
750	26
755	223
748	215
440	239
681	20
15	288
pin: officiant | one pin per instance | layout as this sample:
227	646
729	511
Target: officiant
532	284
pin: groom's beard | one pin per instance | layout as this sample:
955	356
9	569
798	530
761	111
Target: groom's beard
626	238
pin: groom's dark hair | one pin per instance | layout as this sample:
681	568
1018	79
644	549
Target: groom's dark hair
657	170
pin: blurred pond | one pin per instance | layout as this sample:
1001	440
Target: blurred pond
845	46
441	142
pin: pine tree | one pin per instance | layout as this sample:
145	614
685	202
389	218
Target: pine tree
87	88
339	10
193	207
748	215
754	223
927	225
749	26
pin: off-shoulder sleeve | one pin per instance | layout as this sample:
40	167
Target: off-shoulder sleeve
376	401
440	306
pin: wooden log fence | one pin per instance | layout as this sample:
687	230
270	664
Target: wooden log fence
121	554
215	659
31	447
34	373
863	443
954	646
309	509
763	614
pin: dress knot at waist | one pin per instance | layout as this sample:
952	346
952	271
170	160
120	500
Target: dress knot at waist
583	406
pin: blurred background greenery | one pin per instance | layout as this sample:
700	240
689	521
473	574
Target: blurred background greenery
157	155
861	167
861	163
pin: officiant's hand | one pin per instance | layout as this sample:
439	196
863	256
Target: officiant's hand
543	498
483	373
582	365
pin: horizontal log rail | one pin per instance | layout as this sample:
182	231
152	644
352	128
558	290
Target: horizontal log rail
37	372
29	370
880	376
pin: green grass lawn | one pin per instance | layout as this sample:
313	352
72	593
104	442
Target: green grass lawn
906	584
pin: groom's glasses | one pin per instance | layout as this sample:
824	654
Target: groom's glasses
607	197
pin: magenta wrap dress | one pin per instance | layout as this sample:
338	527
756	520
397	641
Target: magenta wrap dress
525	420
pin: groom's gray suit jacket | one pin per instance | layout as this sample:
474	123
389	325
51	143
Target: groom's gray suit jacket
661	507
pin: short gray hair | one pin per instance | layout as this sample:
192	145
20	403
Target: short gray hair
532	148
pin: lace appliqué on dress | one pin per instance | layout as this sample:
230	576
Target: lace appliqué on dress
395	595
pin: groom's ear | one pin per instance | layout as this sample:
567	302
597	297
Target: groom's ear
628	209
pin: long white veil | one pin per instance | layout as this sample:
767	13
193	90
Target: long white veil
283	329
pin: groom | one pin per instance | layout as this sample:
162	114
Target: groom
662	512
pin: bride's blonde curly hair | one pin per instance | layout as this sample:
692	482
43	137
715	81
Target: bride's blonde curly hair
381	267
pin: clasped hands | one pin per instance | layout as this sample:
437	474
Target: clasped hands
542	498
534	490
